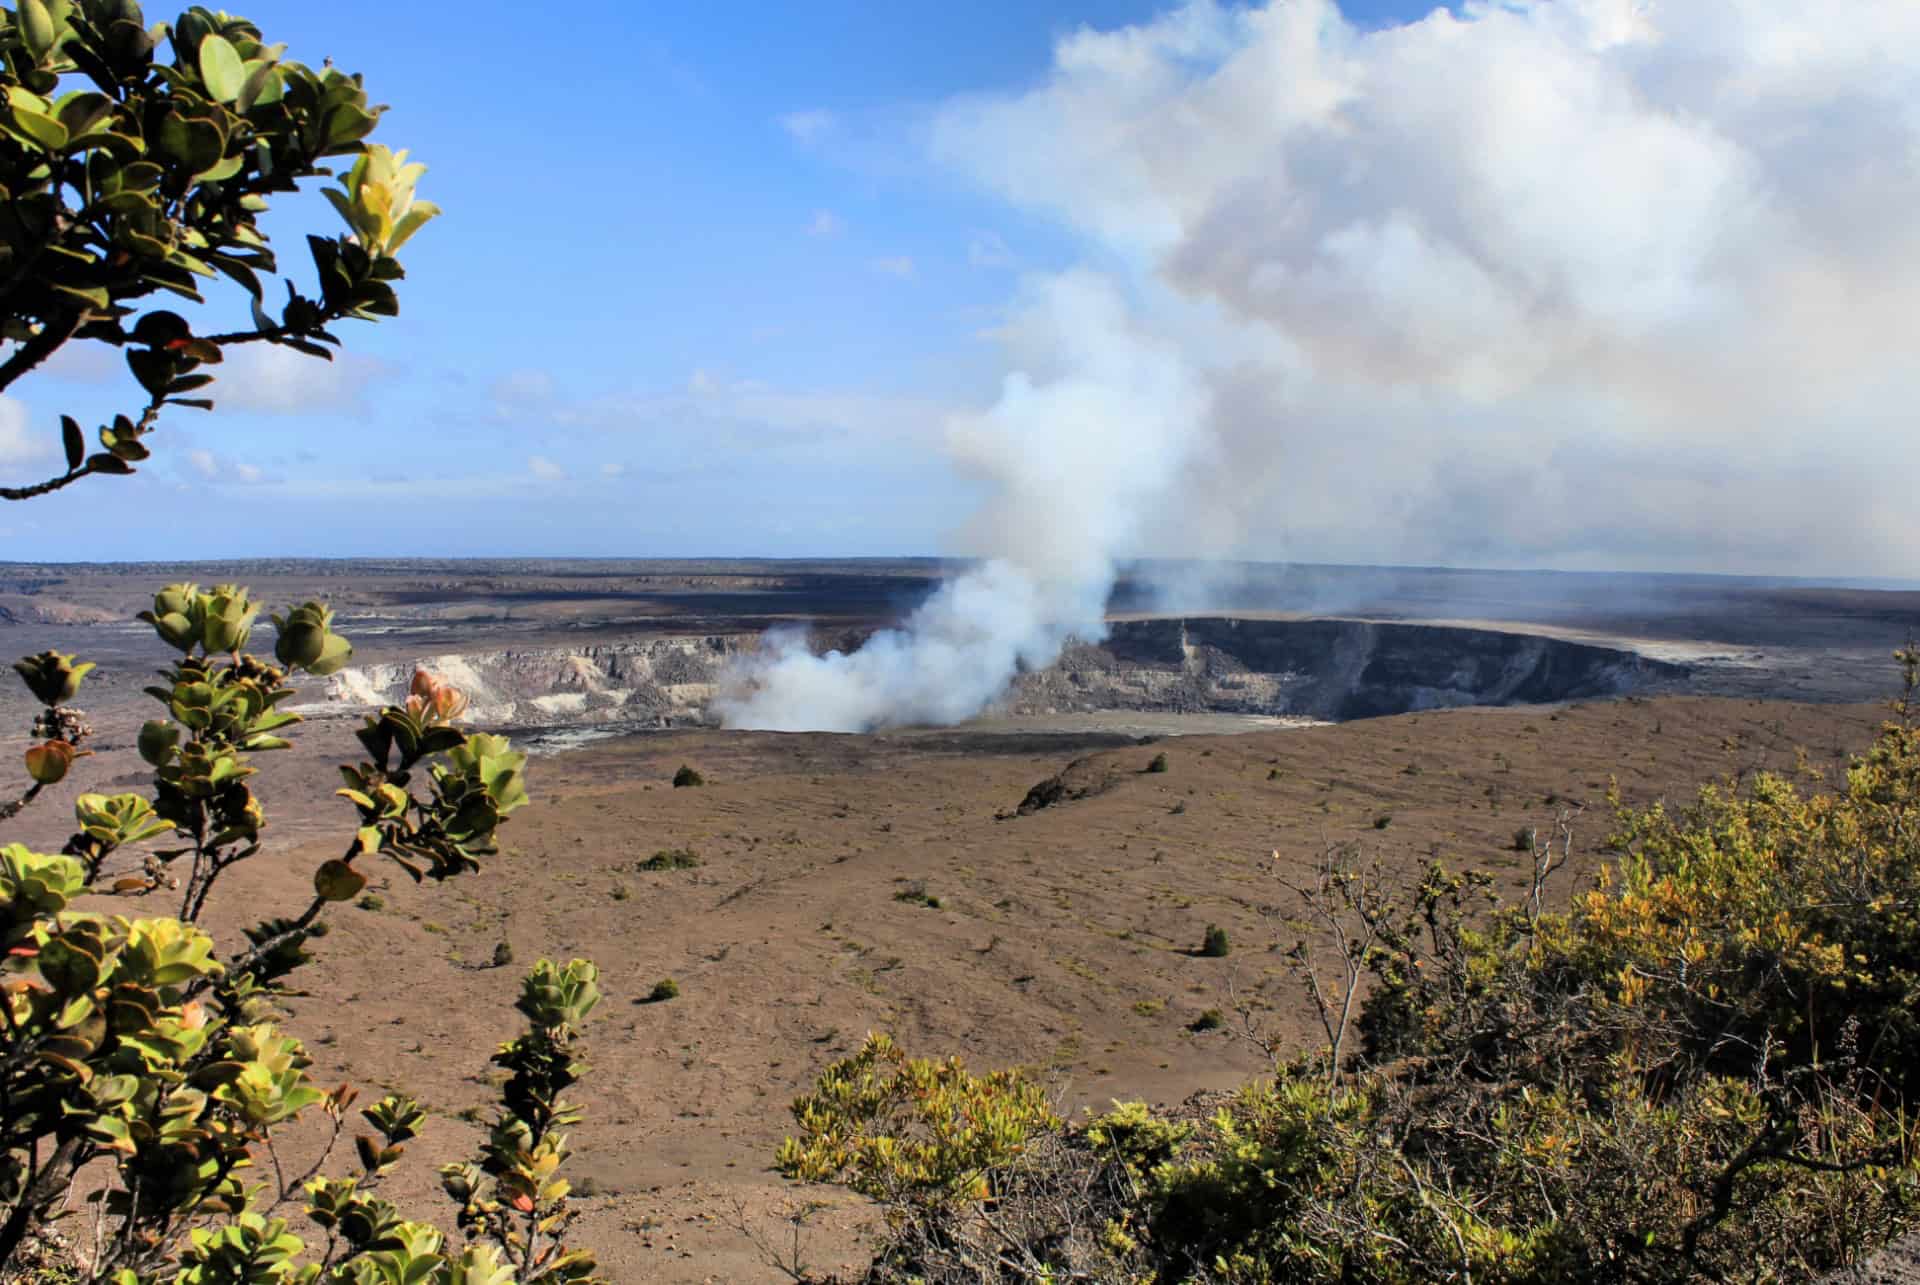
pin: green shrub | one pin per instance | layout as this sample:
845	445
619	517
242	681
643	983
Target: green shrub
671	859
502	954
1215	944
1700	1070
1382	821
1524	838
1158	763
918	1136
686	777
915	893
1210	1020
664	989
140	1066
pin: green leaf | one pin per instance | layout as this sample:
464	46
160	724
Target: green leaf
74	440
265	86
414	219
36	27
44	131
95	295
222	69
220	173
81	113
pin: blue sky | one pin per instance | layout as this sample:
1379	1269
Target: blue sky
751	280
641	201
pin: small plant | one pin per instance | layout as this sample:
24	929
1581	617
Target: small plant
1148	1007
663	990
1158	763
1211	1020
1523	839
621	892
1178	809
686	777
916	894
372	901
671	858
1382	821
502	954
1215	945
1273	774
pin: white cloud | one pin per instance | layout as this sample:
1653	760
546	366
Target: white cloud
897	265
21	441
1581	282
224	469
825	223
808	126
988	250
520	389
613	468
545	469
274	380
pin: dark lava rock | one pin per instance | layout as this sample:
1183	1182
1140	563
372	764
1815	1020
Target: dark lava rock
1080	779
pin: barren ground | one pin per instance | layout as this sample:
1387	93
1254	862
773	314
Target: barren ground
1062	941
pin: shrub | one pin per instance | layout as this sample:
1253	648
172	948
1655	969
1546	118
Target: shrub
1158	763
671	859
1524	838
915	893
664	989
130	175
1699	1070
686	777
918	1136
1210	1020
139	1052
1382	821
502	954
1215	944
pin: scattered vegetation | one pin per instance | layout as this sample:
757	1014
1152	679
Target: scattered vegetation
671	859
1700	1069
915	893
687	777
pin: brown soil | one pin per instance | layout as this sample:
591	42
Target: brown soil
1063	940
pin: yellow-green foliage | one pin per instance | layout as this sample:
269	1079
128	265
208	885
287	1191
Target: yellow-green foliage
1699	1069
912	1132
137	1049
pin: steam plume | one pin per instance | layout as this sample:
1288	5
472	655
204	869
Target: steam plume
1617	284
1082	443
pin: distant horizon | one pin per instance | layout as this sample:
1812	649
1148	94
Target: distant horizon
1887	584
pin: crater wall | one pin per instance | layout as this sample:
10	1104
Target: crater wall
1330	669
